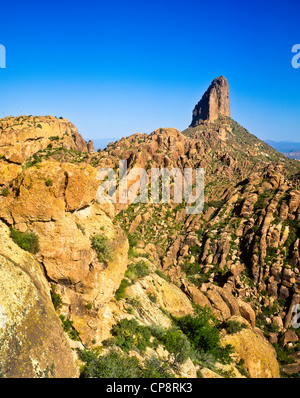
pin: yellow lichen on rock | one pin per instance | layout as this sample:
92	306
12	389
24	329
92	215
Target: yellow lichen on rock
258	354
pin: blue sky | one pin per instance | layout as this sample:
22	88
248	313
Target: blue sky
115	68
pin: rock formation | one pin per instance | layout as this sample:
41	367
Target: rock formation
98	264
32	341
215	102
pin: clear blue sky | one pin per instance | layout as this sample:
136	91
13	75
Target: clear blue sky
115	68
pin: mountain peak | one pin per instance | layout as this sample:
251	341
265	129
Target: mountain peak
214	102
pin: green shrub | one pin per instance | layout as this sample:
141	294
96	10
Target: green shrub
121	291
26	241
49	182
178	344
283	354
112	365
204	335
156	369
152	297
136	271
102	246
128	334
56	300
162	275
5	191
118	365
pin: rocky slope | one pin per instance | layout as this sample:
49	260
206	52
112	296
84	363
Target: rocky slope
127	277
215	102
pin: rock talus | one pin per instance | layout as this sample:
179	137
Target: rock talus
214	102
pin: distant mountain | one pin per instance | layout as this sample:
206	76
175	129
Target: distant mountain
101	143
293	155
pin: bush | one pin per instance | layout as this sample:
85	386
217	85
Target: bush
128	334
69	328
102	246
121	291
234	326
26	241
49	182
112	365
163	276
156	369
283	354
178	344
56	300
117	365
138	270
204	335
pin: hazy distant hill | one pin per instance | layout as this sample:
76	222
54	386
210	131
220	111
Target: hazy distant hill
284	146
101	143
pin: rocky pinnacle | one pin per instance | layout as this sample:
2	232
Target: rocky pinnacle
214	102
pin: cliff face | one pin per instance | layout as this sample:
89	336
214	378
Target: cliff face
24	136
215	102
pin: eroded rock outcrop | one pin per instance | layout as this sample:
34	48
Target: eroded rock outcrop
32	341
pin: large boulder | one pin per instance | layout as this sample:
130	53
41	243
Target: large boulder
214	102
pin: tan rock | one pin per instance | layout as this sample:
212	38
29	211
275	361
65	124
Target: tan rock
32	341
219	306
246	311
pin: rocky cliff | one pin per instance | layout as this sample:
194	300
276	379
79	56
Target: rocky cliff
207	295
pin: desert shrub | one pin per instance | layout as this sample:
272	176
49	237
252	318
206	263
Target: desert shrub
102	246
156	368
204	335
136	271
128	334
234	326
34	161
118	365
56	300
178	344
162	275
262	201
5	191
26	241
49	182
283	354
152	297
69	328
121	291
112	365
216	203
